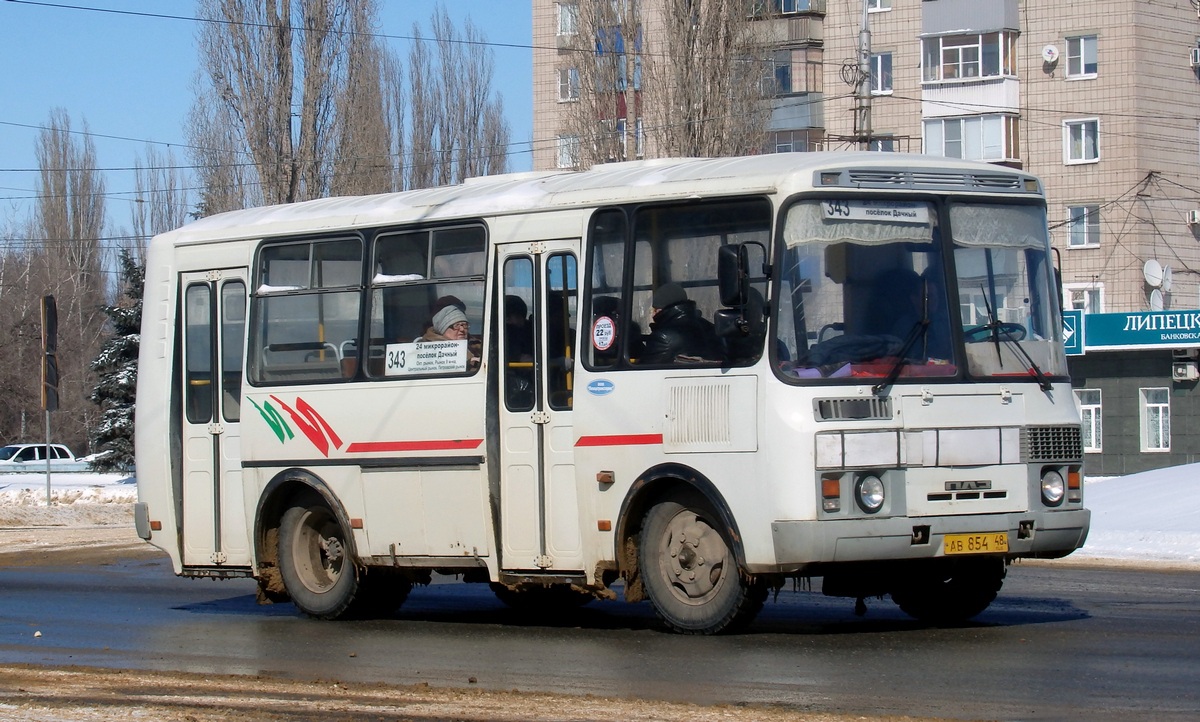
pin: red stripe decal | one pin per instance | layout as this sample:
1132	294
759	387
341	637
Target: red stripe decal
370	447
620	440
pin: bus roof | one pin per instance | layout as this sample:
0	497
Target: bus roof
646	180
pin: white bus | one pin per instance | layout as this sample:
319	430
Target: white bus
696	378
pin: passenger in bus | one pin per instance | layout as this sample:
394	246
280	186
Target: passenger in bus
450	324
678	333
518	332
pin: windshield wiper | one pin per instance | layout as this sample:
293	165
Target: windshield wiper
918	330
998	332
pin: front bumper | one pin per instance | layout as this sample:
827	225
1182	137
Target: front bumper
1030	534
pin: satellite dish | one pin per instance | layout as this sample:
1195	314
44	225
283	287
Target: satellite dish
1156	300
1166	281
1049	53
1153	273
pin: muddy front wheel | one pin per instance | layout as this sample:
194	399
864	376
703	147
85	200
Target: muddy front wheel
314	561
690	572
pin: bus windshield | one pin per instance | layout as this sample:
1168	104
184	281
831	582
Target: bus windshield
868	289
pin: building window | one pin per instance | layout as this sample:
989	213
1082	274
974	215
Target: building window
1086	297
884	145
788	7
796	141
1089	412
568	84
1156	419
881	73
1081	141
794	70
879	5
977	137
567	151
1083	226
968	57
568	18
1081	57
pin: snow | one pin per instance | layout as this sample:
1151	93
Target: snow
1147	518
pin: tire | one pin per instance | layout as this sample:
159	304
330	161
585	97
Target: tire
542	600
315	563
951	592
380	593
690	573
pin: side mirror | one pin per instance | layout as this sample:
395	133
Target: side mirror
733	281
729	324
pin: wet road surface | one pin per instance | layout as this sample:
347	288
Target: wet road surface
1059	643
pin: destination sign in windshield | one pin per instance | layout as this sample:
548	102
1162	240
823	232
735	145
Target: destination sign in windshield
877	210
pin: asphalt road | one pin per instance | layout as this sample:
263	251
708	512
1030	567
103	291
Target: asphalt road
1059	643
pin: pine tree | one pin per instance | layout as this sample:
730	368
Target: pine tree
116	369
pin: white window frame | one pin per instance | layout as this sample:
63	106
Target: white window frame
933	68
1155	419
568	19
881	81
1091	412
791	7
568	85
883	144
1078	47
1086	297
879	6
566	149
1083	224
970	131
1082	124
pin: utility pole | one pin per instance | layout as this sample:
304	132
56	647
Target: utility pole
862	94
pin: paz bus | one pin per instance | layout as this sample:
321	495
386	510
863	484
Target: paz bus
684	380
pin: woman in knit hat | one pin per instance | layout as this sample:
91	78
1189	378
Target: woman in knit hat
450	324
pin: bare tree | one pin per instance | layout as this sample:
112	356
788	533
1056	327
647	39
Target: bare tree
364	162
62	255
300	98
161	200
457	126
677	78
274	71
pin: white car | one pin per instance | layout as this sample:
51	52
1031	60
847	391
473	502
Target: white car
32	457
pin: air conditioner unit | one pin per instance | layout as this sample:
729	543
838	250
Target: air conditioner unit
1193	217
1184	354
1185	371
1195	57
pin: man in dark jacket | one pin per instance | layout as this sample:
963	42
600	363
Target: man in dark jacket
678	330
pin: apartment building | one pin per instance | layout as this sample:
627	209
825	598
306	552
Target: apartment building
1100	98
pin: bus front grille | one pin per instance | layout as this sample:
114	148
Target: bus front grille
856	408
1051	443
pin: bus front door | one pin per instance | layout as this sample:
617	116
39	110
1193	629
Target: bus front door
539	503
213	516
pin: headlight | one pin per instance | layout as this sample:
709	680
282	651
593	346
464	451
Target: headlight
1053	488
868	492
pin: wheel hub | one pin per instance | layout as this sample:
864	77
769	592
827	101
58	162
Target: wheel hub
694	558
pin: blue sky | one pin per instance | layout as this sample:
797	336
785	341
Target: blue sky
131	77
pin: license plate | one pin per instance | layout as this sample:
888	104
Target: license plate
976	543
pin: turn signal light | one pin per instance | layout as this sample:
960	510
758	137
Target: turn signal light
831	493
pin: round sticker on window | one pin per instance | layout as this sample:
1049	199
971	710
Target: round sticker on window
604	332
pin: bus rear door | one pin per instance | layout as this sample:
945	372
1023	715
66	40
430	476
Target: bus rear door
539	506
214	320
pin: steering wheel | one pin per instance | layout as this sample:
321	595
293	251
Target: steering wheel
1014	331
